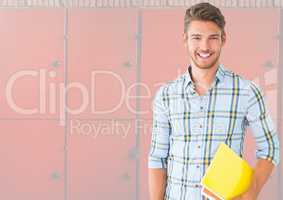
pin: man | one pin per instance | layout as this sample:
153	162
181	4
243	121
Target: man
201	108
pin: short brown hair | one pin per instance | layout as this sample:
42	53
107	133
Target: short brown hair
204	12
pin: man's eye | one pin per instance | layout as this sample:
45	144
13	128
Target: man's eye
196	38
214	38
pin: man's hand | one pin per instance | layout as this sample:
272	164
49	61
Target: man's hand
262	172
157	183
249	195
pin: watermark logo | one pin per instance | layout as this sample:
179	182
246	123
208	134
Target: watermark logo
53	96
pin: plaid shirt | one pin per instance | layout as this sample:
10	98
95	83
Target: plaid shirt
187	128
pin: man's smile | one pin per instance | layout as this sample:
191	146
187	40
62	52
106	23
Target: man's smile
204	55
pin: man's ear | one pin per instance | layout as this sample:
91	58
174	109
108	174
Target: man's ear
185	39
223	38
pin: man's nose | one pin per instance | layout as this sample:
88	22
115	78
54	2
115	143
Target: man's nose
204	45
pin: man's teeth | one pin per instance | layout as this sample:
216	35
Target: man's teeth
204	55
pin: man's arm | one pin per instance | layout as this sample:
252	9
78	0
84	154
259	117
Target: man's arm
157	183
267	143
261	174
157	160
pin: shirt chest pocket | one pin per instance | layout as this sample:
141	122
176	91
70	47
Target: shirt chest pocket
181	112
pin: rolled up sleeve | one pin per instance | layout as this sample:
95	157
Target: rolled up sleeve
260	122
161	130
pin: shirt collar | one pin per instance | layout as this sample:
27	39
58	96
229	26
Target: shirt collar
220	74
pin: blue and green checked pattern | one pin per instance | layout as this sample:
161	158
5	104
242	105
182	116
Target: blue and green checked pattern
187	128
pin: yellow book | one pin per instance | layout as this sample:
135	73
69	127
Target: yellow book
227	176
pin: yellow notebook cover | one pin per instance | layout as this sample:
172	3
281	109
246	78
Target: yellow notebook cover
227	176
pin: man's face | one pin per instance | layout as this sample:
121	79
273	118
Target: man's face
204	43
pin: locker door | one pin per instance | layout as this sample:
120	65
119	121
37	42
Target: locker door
102	62
163	59
32	139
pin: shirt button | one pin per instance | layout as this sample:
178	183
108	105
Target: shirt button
196	186
199	146
201	107
200	126
197	166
